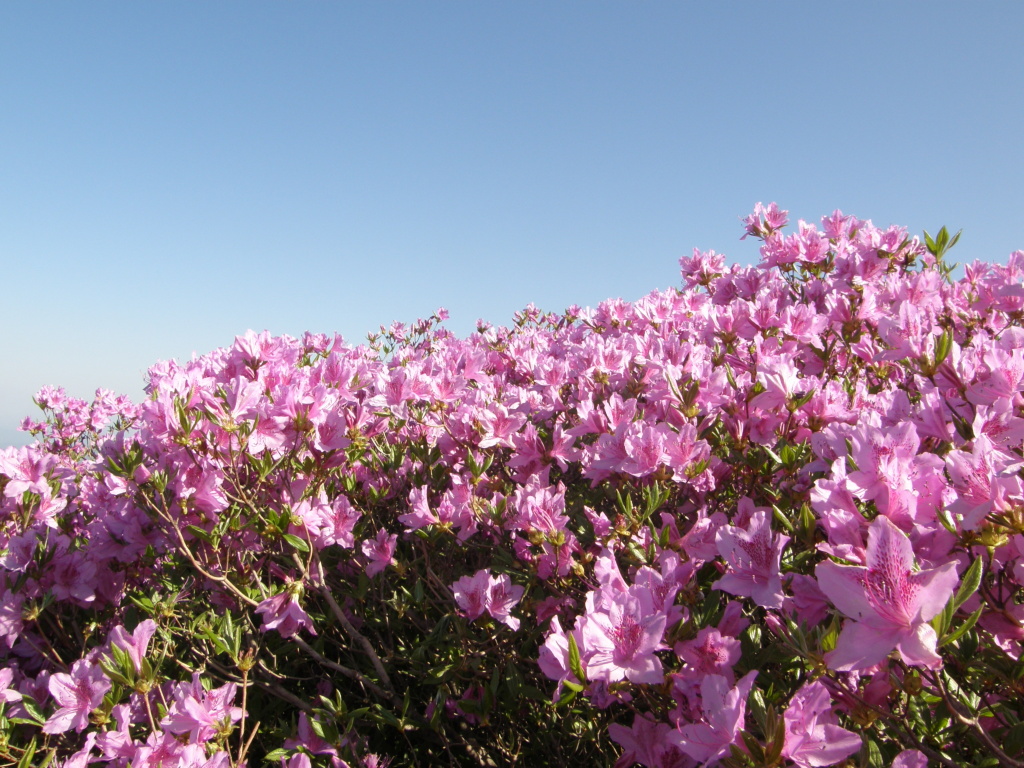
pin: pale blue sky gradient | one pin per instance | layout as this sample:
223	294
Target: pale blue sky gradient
172	174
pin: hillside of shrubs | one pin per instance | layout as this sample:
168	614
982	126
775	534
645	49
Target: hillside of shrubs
772	516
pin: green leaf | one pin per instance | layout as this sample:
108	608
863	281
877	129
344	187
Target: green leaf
753	747
513	681
871	755
575	665
356	714
566	698
625	503
730	377
940	623
758	708
788	455
943	346
114	675
963	427
1013	744
144	603
963	629
535	693
296	542
275	755
969	584
32	709
30	752
831	635
774	752
493	686
317	727
200	533
386	716
804	398
947	521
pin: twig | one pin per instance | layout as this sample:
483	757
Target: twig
241	725
956	709
245	748
280	692
195	563
354	633
350	673
894	721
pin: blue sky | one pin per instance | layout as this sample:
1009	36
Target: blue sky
172	174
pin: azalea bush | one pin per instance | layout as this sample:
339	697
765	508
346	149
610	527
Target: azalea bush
773	517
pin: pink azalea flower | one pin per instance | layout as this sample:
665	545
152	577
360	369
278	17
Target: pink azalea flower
764	220
471	594
117	743
753	557
910	758
813	735
74	577
647	743
889	603
83	757
619	642
380	552
502	596
709	654
645	448
496	595
883	459
724	711
201	713
498	425
809	603
306	737
553	657
160	749
283	613
7	693
981	483
78	694
136	643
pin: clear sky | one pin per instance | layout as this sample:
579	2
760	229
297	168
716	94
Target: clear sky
172	174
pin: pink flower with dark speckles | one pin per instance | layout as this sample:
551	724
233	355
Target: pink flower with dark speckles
889	603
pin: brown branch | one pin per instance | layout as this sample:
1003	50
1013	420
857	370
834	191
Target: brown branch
324	589
966	718
350	673
273	688
185	550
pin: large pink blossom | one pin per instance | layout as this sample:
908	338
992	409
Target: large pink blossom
888	603
77	694
481	592
620	640
813	735
753	557
724	711
283	613
201	713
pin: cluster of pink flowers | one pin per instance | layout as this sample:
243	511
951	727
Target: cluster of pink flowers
819	457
